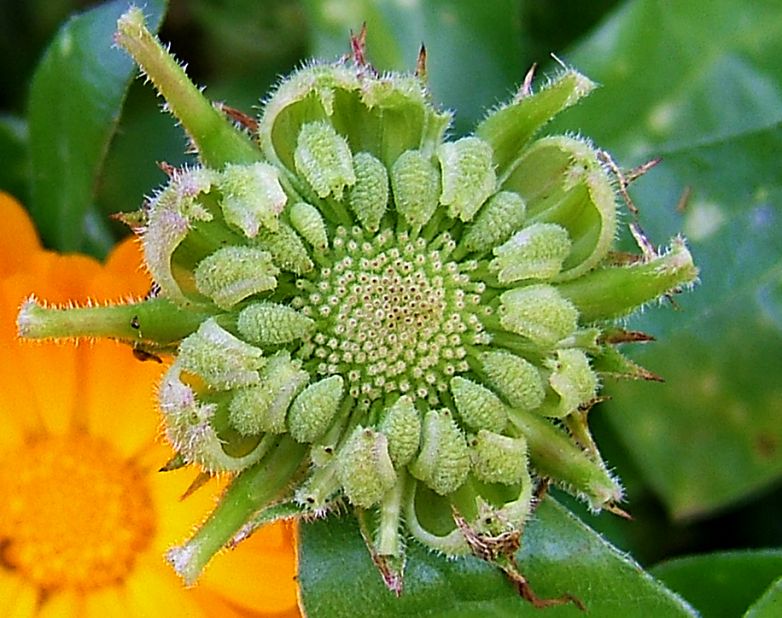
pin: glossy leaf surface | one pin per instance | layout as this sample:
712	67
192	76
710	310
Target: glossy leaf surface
560	555
723	584
75	101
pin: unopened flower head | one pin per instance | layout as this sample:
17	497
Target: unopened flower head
363	311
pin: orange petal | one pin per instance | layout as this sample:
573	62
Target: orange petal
53	372
107	602
118	397
19	598
154	591
42	377
213	605
61	604
267	564
18	238
63	279
125	264
17	411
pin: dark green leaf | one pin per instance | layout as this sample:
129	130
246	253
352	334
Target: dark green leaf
75	101
13	154
723	584
560	555
770	604
473	48
697	83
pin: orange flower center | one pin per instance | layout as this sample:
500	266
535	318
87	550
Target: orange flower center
73	513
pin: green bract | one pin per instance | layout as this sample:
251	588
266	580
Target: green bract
362	312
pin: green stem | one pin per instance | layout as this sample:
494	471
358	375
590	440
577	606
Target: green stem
485	274
252	490
321	486
433	226
554	455
517	344
340	213
157	320
390	516
216	139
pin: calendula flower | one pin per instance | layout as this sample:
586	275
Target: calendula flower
366	313
85	516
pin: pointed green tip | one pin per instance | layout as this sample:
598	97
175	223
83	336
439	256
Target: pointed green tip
582	86
213	135
131	23
616	291
183	560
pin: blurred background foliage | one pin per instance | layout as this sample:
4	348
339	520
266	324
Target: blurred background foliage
698	83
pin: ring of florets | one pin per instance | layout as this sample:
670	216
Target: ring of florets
393	314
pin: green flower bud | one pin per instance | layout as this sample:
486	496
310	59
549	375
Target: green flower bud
323	157
467	175
415	183
364	467
498	459
536	252
314	408
252	197
221	359
573	380
516	379
307	221
538	312
402	426
287	249
270	324
263	407
502	215
231	274
368	198
478	407
444	460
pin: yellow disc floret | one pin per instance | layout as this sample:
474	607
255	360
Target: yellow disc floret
74	513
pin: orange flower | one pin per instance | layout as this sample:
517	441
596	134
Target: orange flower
85	517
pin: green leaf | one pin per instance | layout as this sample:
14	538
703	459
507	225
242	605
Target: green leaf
683	82
680	74
13	154
474	54
722	584
75	101
560	555
769	605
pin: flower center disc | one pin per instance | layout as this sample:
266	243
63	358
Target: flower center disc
393	314
74	513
